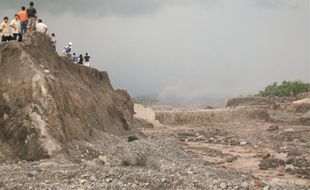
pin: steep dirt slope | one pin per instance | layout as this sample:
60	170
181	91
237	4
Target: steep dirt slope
47	102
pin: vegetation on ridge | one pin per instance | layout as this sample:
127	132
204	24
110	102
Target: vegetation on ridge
146	101
286	89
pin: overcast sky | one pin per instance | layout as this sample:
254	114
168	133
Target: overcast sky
184	49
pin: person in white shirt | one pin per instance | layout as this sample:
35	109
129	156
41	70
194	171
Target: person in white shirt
16	28
5	30
41	27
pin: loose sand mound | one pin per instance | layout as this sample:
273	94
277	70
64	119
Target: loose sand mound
146	114
302	106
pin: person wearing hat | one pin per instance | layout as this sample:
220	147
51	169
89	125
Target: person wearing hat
67	50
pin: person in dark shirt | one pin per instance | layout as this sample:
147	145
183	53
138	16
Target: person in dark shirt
32	17
81	59
87	58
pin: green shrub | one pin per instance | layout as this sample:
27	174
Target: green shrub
146	101
286	89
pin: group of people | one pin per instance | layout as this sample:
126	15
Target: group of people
25	20
85	61
81	60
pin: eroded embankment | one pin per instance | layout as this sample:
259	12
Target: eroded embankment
202	116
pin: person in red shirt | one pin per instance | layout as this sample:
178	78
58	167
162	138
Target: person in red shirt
23	20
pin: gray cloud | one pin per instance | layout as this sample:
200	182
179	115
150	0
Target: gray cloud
129	7
185	50
101	7
278	3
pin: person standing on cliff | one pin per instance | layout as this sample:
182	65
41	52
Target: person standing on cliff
32	19
81	59
16	29
87	58
54	40
67	50
23	20
5	30
75	58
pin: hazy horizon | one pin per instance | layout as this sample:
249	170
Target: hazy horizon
185	51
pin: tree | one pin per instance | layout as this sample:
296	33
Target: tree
286	89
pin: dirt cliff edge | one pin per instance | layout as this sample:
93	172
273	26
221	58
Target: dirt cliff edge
47	102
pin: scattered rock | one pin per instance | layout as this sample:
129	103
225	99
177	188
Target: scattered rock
32	173
245	184
271	163
223	185
234	141
290	130
5	117
230	159
93	178
103	160
132	138
266	188
273	128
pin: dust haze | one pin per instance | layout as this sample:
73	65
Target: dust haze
186	52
